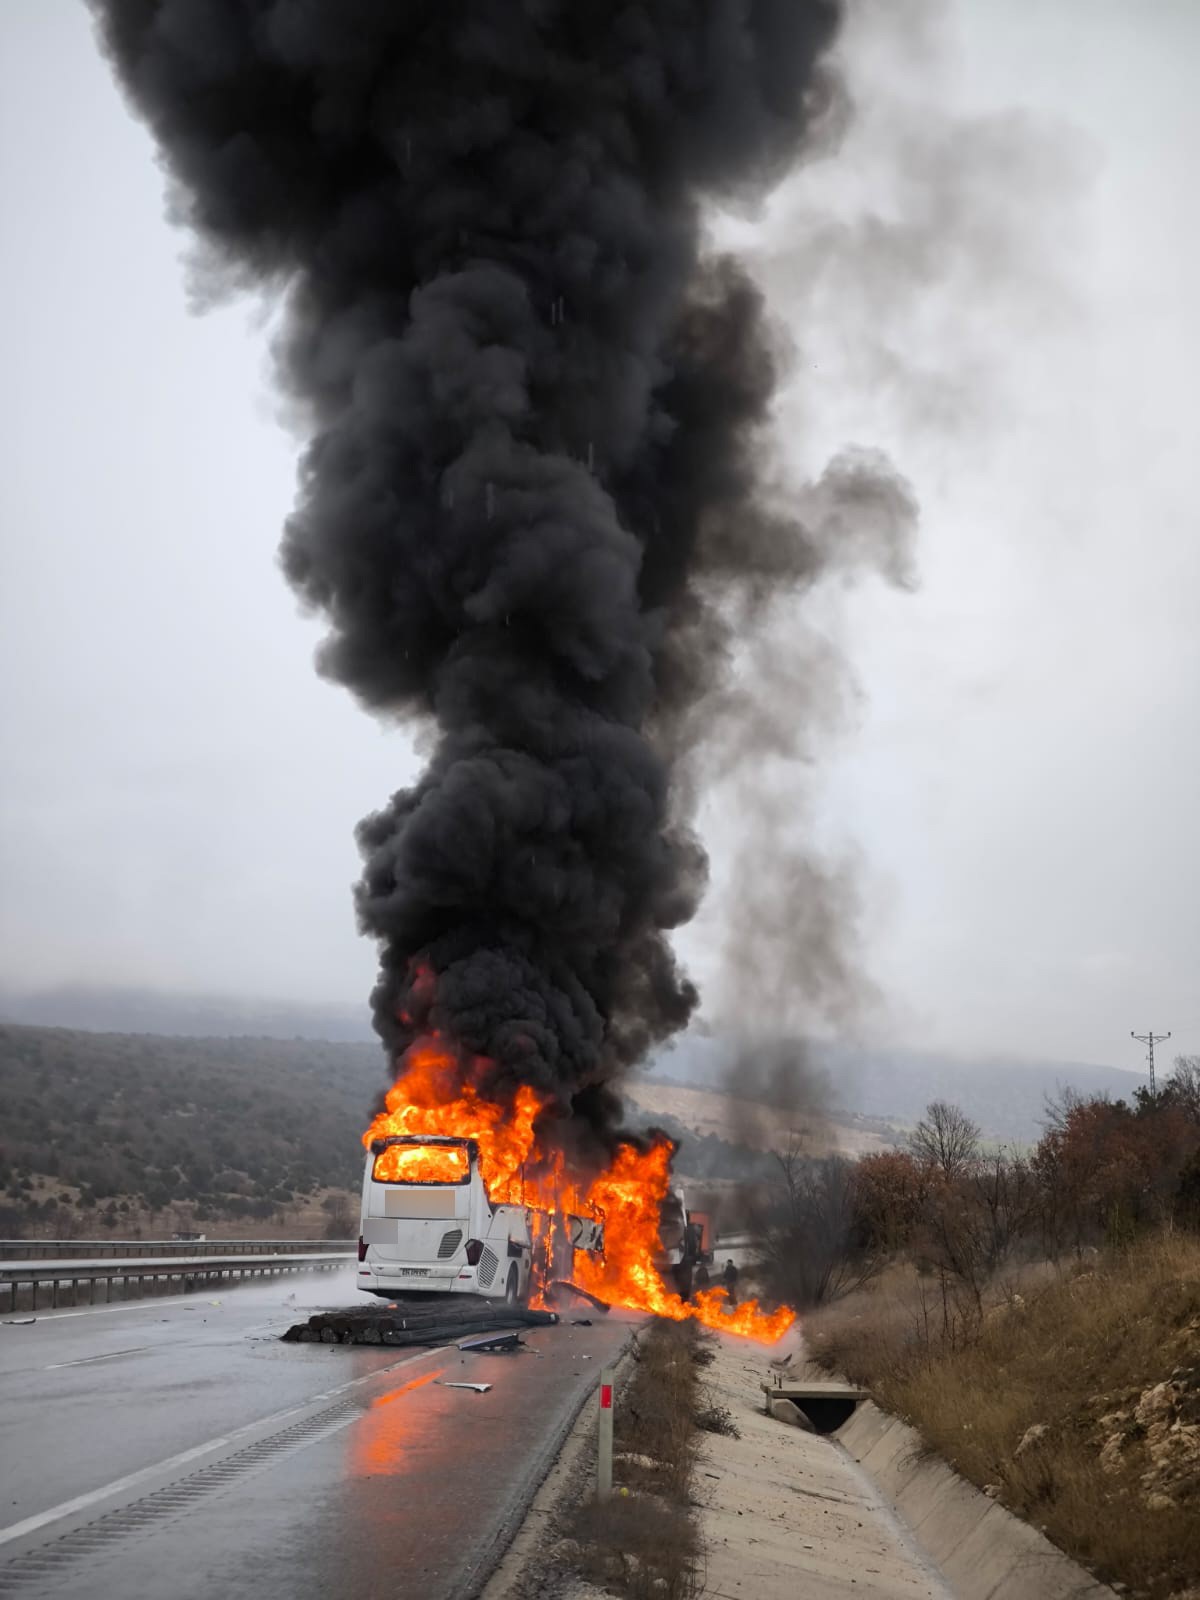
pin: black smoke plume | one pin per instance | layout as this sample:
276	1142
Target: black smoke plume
532	496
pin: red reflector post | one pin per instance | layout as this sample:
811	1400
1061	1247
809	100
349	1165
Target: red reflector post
604	1435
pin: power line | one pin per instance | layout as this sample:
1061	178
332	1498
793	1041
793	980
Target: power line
1151	1039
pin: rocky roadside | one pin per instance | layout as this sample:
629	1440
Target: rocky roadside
1159	1429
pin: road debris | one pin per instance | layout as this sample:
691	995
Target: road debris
479	1388
493	1343
584	1294
403	1323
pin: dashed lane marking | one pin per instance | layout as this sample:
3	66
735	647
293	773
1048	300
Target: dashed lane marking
133	1480
86	1361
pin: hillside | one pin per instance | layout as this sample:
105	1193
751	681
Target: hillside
121	1124
110	1129
1097	1411
113	1129
704	1113
884	1086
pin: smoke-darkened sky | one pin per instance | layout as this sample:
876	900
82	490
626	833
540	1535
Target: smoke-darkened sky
992	279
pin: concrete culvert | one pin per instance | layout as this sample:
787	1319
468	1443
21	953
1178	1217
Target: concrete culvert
819	1407
828	1415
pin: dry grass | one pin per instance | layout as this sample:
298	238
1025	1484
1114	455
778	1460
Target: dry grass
641	1547
706	1111
1073	1351
305	1218
644	1542
655	1419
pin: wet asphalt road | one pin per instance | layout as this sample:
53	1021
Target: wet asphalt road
174	1448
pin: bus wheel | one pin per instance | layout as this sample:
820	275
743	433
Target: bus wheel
512	1289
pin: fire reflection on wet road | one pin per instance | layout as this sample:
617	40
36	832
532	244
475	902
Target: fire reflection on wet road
208	1458
377	1443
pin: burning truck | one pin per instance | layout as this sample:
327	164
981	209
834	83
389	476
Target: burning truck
685	1242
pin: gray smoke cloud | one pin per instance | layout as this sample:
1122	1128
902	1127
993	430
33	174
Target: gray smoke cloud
916	248
534	504
935	241
790	916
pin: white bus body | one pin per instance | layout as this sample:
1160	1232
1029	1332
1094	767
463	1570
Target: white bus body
446	1236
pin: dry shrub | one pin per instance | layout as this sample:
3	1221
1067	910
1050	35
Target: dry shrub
655	1416
718	1419
643	1542
704	1347
870	1334
641	1546
1071	1351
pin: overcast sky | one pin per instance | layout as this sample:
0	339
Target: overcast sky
993	279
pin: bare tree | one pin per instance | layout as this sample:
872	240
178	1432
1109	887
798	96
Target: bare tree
1182	1088
945	1139
1005	1193
341	1215
1059	1107
808	1253
970	1224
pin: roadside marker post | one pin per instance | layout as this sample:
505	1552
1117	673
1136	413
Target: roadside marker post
604	1438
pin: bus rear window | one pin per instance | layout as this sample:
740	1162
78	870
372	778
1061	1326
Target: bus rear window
422	1163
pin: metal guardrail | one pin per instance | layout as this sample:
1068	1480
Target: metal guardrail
159	1270
42	1249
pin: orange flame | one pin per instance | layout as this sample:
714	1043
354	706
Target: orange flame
429	1097
630	1194
422	1163
432	1096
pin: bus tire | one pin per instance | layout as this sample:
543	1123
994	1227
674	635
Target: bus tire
512	1289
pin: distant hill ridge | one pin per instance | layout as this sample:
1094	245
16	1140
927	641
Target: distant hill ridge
1005	1095
99	1009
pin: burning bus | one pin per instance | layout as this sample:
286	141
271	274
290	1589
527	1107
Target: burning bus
429	1226
465	1194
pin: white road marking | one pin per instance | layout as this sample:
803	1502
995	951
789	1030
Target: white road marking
131	1480
96	1311
86	1361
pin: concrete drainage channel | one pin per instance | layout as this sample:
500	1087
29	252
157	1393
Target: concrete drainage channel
981	1549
